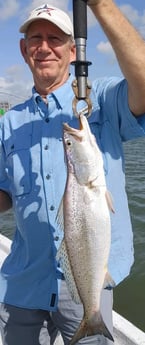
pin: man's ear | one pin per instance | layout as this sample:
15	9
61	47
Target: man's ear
23	48
73	53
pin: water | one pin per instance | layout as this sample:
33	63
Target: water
129	296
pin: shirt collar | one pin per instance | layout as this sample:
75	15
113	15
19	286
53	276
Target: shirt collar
59	94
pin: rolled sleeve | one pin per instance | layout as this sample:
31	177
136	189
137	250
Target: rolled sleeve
113	100
130	125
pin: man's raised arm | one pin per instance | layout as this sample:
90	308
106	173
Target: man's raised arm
129	48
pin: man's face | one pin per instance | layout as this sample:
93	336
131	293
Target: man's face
48	51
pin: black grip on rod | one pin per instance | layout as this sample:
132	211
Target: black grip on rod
80	18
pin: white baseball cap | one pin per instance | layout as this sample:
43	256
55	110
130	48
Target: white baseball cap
53	15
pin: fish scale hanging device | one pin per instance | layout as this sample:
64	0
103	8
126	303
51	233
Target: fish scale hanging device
81	86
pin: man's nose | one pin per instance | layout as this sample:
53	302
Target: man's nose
44	43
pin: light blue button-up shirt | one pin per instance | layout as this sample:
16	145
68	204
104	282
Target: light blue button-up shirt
33	172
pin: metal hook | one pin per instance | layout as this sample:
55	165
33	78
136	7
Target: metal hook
86	99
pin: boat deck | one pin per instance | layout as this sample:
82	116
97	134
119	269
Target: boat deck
5	244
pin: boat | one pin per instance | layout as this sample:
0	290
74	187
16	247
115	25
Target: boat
125	333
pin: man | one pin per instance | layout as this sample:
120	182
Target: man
35	303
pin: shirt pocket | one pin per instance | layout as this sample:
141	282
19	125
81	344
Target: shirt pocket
19	165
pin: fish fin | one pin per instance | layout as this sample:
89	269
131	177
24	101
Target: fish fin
109	201
108	281
92	326
59	216
62	257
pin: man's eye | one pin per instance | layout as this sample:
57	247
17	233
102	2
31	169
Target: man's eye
54	39
34	39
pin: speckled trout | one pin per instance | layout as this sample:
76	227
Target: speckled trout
84	215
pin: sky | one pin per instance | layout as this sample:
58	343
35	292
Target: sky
15	78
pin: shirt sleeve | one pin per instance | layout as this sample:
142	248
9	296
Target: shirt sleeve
113	101
130	125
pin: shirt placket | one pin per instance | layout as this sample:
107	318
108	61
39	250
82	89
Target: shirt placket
47	166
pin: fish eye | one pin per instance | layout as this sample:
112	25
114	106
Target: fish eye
68	142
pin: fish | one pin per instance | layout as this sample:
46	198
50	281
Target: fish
84	216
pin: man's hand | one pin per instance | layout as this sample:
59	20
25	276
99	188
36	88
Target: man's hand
93	2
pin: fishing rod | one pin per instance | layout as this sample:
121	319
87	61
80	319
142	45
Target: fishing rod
80	85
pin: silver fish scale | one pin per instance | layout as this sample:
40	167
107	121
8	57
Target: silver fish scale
84	242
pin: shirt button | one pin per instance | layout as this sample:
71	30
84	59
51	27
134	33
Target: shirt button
47	119
56	238
52	208
46	147
48	176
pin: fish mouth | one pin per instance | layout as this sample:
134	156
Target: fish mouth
76	133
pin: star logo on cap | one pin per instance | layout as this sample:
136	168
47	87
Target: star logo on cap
45	9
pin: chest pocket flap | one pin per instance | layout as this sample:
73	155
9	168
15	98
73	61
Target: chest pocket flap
18	163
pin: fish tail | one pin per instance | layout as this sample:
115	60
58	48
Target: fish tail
93	326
